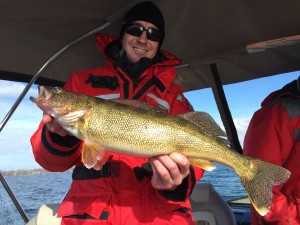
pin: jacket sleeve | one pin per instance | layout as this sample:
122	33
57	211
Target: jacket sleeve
53	152
269	137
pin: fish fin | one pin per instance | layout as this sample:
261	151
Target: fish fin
91	153
202	163
259	180
137	104
69	119
101	160
207	124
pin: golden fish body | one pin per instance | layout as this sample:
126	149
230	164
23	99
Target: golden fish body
133	128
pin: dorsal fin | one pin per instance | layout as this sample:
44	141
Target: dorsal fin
206	123
136	103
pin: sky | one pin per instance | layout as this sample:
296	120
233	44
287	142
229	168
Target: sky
15	153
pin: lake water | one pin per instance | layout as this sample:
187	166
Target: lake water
34	190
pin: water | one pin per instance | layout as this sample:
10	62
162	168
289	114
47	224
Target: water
31	191
34	190
225	181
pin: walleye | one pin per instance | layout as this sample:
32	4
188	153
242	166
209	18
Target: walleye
134	128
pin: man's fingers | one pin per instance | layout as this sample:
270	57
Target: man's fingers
169	168
161	178
47	119
53	126
181	162
167	173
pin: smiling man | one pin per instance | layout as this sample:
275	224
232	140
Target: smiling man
136	43
127	190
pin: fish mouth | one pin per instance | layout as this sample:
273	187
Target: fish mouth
44	94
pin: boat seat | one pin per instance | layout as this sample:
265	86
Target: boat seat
47	215
209	208
204	218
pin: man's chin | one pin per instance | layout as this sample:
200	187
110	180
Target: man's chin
135	59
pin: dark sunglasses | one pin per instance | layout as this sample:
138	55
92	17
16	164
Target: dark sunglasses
136	30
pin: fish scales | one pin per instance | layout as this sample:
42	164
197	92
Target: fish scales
148	133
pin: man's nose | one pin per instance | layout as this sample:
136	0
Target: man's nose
143	37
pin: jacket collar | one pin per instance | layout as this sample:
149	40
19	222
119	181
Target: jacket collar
102	41
170	61
290	89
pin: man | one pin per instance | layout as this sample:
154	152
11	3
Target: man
273	135
127	190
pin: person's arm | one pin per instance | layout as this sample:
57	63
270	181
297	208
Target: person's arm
169	171
54	152
53	147
269	137
173	174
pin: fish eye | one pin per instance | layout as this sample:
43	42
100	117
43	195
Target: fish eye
56	89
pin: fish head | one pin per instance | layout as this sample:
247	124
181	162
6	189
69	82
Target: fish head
55	100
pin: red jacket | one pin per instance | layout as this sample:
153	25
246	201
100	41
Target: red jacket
115	195
273	135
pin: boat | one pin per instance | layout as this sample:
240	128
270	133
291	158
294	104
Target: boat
219	42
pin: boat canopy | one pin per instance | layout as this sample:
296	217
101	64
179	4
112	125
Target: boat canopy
244	39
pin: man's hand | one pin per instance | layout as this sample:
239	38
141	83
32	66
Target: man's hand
169	170
53	126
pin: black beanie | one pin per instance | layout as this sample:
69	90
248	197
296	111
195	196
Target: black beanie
145	11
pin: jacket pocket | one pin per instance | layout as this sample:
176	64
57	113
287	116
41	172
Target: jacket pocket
72	221
164	206
85	207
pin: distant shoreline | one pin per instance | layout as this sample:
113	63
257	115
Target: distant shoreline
27	172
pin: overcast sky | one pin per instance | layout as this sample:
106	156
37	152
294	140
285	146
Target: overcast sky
15	152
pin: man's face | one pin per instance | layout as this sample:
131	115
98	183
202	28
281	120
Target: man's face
138	47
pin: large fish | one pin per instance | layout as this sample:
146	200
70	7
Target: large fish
133	128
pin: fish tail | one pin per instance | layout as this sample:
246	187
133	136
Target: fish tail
259	180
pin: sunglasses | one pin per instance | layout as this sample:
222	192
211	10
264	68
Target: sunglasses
136	30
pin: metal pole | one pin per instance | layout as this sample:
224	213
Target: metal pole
13	198
48	62
224	109
24	92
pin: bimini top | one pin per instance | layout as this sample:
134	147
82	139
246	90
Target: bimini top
244	39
